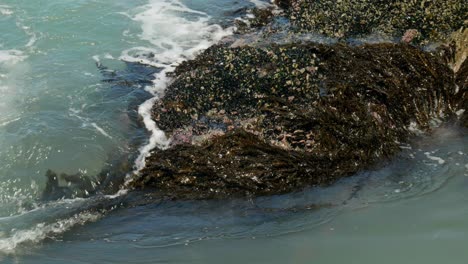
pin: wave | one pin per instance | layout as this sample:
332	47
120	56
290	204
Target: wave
42	231
50	220
5	10
261	3
175	33
10	57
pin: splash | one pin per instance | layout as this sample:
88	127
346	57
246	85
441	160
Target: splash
11	57
9	244
175	33
261	3
5	10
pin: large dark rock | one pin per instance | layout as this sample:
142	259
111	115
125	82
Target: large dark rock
251	121
459	63
462	82
273	118
434	20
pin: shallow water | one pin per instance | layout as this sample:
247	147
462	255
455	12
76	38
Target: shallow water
411	210
59	111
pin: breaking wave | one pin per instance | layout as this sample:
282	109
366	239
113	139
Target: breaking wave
174	33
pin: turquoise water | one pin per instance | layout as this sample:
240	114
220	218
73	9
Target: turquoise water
60	111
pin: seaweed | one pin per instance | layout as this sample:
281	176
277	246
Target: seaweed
277	119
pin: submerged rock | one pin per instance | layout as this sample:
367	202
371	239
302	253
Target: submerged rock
65	186
130	83
261	121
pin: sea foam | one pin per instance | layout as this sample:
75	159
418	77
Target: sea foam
174	33
5	10
41	231
9	57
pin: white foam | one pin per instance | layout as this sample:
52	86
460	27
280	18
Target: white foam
96	58
434	158
260	3
41	231
172	38
4	123
87	122
12	72
100	130
10	57
5	10
108	56
414	128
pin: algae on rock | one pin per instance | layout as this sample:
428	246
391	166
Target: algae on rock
435	20
288	116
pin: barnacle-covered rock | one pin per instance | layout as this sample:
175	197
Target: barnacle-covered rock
459	64
257	121
462	82
434	20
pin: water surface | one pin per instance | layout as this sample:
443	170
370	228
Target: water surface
72	91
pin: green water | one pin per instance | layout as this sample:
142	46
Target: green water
53	93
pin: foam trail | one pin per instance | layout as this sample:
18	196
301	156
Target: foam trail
261	4
5	10
4	123
42	231
52	219
100	130
173	38
10	57
434	158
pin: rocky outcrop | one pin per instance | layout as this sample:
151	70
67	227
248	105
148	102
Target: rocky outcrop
271	112
258	121
257	118
434	20
462	82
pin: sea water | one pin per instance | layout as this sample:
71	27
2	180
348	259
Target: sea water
70	92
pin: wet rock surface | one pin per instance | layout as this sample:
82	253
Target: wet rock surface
265	117
259	121
434	20
460	67
462	82
271	111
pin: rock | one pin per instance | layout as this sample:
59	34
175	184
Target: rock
459	64
270	112
460	40
53	191
286	4
435	20
349	113
409	35
462	82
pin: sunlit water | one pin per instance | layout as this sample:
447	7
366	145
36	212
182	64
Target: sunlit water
59	111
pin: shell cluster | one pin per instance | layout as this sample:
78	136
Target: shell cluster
277	116
435	20
251	121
